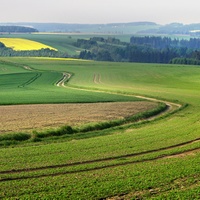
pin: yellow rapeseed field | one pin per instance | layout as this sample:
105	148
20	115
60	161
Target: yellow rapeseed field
19	44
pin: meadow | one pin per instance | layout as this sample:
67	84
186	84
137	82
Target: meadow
156	159
38	85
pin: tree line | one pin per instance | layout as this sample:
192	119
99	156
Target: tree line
149	49
140	49
165	42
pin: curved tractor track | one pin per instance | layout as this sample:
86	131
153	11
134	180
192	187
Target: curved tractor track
171	106
109	162
103	160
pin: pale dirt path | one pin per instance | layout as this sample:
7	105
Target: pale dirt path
171	106
97	79
66	77
28	117
28	68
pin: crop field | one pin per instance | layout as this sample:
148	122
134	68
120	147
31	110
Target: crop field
136	157
63	42
29	117
19	44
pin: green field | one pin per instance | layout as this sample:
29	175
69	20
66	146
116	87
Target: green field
19	85
159	159
64	42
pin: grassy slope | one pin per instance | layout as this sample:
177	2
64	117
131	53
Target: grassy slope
35	86
177	177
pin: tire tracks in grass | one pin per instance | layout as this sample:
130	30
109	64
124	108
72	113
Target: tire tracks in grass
65	78
96	168
171	107
97	79
34	78
179	183
162	156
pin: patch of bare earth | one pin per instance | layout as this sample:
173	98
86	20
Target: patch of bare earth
180	184
188	153
28	117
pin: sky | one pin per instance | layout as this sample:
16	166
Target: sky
100	11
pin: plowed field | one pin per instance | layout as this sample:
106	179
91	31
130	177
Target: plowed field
29	117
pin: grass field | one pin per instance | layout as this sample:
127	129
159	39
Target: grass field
38	85
158	159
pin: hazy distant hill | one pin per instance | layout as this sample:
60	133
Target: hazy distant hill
175	28
114	28
16	29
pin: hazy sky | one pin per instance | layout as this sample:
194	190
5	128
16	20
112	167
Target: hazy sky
100	11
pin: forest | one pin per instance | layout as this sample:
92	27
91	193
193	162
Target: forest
146	49
149	49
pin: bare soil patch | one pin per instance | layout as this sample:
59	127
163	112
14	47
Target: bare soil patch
18	118
187	153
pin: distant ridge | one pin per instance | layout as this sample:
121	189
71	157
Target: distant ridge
110	28
175	28
17	29
114	28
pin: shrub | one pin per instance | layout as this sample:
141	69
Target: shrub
15	137
57	132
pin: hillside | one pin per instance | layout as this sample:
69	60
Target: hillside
110	28
175	28
156	158
17	29
113	28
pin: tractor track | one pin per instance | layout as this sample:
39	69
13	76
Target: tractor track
34	78
97	79
15	171
61	83
164	156
65	78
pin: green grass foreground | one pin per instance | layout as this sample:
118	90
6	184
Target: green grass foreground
155	160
